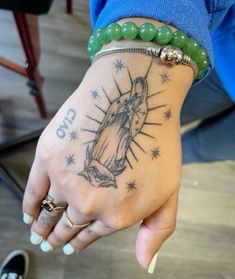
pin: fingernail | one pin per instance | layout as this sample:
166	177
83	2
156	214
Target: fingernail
46	246
27	219
35	238
68	249
153	264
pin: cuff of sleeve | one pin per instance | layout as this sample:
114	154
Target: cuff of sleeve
189	16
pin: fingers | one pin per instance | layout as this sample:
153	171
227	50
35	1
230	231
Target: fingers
154	231
63	232
37	188
86	236
46	221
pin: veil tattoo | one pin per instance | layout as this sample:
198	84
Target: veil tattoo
123	121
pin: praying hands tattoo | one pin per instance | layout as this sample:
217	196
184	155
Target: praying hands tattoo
106	154
123	121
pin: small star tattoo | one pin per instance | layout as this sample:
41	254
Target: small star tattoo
131	186
94	94
167	114
164	77
118	65
70	160
155	153
73	135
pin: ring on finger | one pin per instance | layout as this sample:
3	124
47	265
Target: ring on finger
73	226
49	205
51	212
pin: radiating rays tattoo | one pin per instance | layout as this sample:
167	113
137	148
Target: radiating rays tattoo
107	153
118	65
155	153
131	186
167	114
73	135
164	77
70	160
94	94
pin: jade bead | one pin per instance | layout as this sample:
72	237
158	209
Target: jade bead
200	55
129	30
200	75
191	47
102	36
204	64
147	31
93	44
164	35
114	31
179	39
90	50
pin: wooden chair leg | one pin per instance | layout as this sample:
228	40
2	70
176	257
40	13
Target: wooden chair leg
69	6
32	66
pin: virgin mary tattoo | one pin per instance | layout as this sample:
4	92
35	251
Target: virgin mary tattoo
123	121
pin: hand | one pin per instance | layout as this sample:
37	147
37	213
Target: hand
112	153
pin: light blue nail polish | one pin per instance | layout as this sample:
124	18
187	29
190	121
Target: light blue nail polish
35	238
46	246
68	249
27	219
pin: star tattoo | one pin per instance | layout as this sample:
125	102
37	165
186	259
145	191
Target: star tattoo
94	94
118	65
164	77
167	114
73	135
131	186
70	160
155	153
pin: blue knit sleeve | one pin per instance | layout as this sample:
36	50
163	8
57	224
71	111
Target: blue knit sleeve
190	16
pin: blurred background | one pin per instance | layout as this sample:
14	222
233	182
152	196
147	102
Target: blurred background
203	245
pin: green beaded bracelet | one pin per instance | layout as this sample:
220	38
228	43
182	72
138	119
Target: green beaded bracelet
148	32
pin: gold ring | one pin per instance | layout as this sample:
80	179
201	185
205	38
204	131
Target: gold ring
74	226
49	205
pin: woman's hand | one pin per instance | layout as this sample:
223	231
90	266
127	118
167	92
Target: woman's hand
112	153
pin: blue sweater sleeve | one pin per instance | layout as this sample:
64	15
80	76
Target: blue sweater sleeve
190	16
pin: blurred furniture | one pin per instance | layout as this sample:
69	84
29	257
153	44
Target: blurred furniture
69	6
30	71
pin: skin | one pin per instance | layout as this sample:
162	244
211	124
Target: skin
152	201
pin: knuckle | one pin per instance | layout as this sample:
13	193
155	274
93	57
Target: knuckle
44	150
87	208
78	243
33	192
29	208
55	240
91	232
120	223
167	232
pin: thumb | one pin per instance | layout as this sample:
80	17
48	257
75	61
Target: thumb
154	230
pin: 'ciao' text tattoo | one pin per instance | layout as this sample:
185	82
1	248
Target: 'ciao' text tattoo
67	122
107	153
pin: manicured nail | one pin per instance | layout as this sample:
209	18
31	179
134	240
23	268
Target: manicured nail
27	219
35	238
153	264
68	249
46	246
